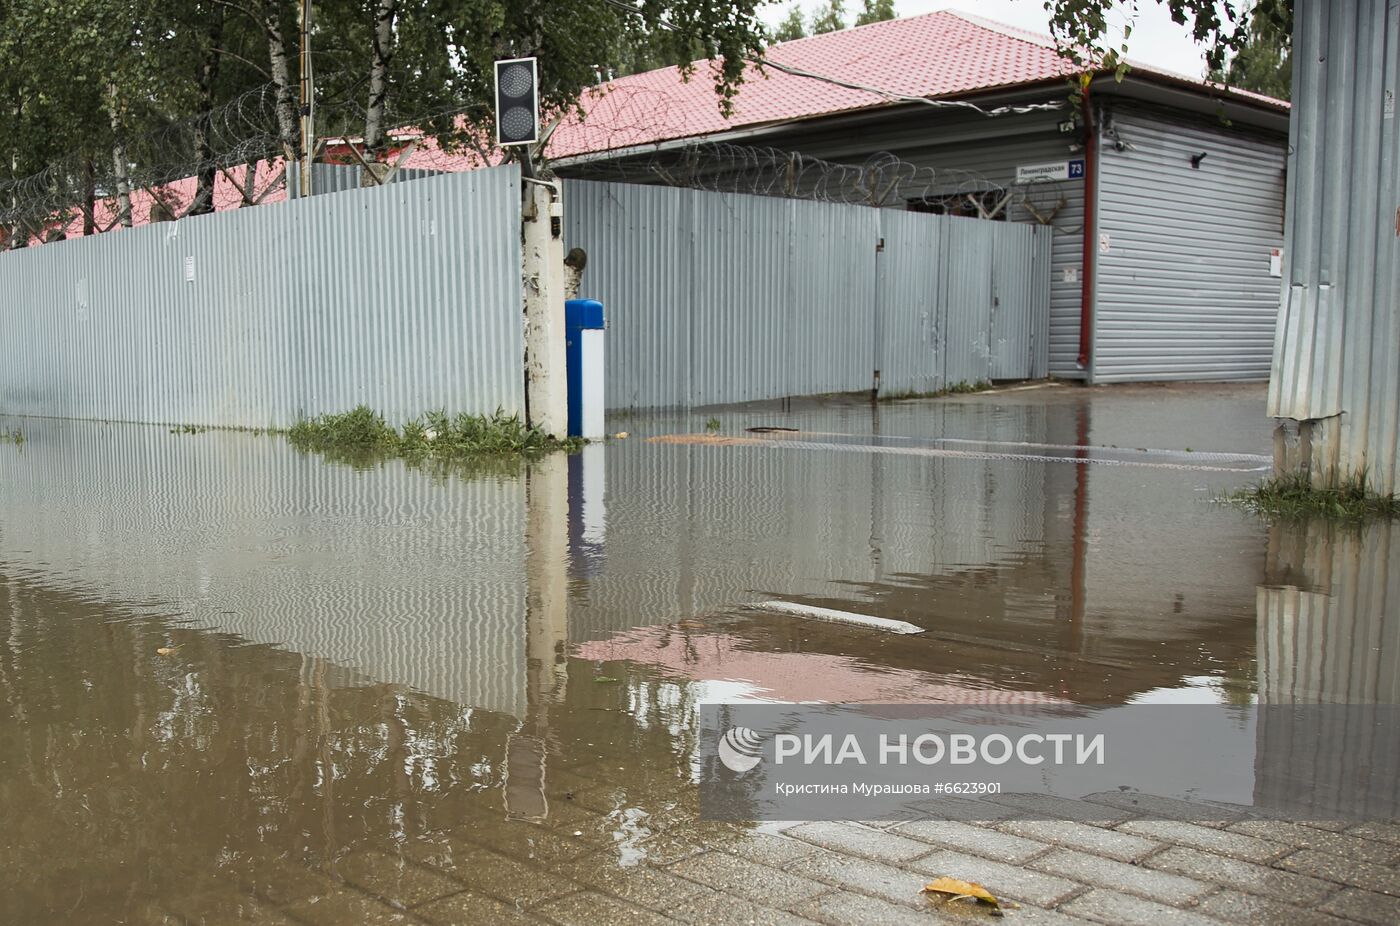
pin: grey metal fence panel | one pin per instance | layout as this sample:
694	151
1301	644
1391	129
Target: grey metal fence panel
337	178
1021	305
638	244
911	267
1335	360
966	305
716	298
741	302
405	298
833	291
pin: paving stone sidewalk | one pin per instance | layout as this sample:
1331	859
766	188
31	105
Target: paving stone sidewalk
1105	860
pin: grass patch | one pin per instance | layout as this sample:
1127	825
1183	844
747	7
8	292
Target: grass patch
1293	496
361	437
963	387
15	437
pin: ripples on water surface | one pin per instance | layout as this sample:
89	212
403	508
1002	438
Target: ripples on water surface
469	671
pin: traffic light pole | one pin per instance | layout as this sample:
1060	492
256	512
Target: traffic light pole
546	378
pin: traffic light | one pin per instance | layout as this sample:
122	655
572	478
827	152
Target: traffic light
517	102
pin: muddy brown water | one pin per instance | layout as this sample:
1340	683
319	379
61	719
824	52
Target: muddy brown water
238	681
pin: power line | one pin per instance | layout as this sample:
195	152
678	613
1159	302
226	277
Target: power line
891	95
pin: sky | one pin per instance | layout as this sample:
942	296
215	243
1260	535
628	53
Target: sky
1155	40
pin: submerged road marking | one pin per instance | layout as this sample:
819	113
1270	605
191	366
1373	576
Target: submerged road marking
1261	464
839	617
1208	456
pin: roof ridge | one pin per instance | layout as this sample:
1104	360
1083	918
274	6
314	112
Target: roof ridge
853	27
1047	41
1006	29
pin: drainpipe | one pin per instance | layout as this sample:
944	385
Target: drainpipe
1086	293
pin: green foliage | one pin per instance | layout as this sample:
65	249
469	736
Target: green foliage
9	436
875	11
792	27
1294	496
712	425
1265	63
84	79
1081	27
362	437
829	18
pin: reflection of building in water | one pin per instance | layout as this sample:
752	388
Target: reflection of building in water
227	777
1329	634
406	578
1093	582
1329	615
1039	577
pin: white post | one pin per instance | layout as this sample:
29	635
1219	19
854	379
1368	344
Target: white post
546	380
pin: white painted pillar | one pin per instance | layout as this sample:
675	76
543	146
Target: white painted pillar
546	382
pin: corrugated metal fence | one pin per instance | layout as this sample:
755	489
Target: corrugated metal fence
1336	366
337	178
405	298
722	297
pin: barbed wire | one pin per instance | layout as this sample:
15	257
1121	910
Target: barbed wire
236	157
237	148
882	181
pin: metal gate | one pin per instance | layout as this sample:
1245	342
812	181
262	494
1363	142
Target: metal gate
715	298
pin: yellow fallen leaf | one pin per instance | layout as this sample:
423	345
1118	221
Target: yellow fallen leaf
958	890
166	650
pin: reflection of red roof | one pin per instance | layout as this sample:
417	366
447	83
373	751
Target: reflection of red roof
794	677
937	55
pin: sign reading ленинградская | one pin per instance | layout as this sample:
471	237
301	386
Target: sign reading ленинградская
873	762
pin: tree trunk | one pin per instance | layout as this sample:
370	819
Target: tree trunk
207	171
89	199
282	79
382	52
123	185
119	165
15	233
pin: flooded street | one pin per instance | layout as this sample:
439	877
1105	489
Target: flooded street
241	684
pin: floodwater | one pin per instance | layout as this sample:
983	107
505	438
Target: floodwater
241	684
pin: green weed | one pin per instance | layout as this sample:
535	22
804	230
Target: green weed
362	437
1294	496
712	425
15	437
963	387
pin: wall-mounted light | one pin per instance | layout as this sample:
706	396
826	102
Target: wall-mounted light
1196	160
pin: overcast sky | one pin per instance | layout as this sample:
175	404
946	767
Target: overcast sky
1156	40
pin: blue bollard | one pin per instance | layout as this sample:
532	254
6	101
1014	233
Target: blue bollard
583	330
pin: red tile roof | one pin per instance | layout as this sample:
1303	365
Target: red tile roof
937	55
